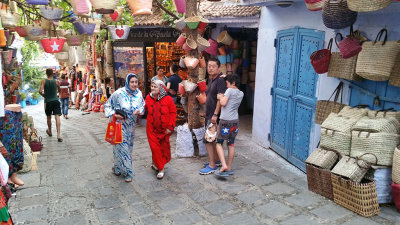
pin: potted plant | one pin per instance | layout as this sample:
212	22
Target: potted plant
22	99
35	97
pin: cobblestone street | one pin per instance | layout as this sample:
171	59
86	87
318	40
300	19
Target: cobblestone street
74	184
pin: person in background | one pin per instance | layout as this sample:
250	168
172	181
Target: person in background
173	82
216	85
109	86
64	95
160	75
126	104
161	119
48	89
228	126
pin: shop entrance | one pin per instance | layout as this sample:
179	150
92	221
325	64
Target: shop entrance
293	93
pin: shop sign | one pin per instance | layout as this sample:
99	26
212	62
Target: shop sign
153	35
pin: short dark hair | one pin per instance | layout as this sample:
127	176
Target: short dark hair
215	60
158	68
63	76
233	78
174	68
49	72
107	80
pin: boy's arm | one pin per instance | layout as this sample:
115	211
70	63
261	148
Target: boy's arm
41	89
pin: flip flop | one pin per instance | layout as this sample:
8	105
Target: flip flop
48	133
222	174
60	139
128	179
160	175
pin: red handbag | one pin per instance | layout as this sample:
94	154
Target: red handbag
114	132
320	59
396	195
349	46
36	146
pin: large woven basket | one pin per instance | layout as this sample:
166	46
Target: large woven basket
384	113
319	181
343	68
323	158
394	78
381	145
326	107
339	123
367	5
338	141
360	198
377	59
336	14
383	124
396	166
351	168
356	112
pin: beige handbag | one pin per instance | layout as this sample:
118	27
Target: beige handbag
325	107
323	158
351	168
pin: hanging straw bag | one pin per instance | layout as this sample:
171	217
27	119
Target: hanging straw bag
323	158
314	5
51	13
9	19
73	39
84	28
352	168
325	107
34	32
320	59
104	6
396	166
377	59
349	46
368	5
336	14
189	86
119	32
224	38
394	78
140	7
384	113
202	44
81	6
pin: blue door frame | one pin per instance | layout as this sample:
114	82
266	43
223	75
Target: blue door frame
295	84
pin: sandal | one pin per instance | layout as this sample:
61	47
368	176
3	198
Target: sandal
48	133
116	174
60	139
160	175
128	179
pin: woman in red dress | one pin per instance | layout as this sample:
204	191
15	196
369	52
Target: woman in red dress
161	120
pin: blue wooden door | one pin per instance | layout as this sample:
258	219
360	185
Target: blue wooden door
294	93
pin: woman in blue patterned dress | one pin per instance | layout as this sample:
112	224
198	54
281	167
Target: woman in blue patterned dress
128	99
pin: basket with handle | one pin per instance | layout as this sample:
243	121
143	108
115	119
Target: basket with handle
377	59
337	15
354	112
323	158
74	39
349	46
320	59
84	27
384	113
360	198
367	5
353	168
377	124
394	78
51	13
339	141
396	166
104	6
319	181
314	5
325	107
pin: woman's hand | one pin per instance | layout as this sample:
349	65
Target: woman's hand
167	131
119	117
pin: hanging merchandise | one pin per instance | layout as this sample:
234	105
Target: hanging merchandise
104	6
368	5
213	49
182	62
46	24
140	7
377	59
9	19
81	6
394	78
396	166
189	86
51	13
202	26
84	28
3	41
191	62
201	98
52	45
180	24
193	22
180	6
73	39
38	2
115	16
349	46
202	84
320	59
190	44
97	23
224	38
202	62
181	39
119	32
20	30
314	5
336	14
34	32
202	44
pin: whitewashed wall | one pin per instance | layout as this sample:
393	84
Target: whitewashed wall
273	19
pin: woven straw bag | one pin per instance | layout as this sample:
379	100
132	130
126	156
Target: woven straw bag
323	158
376	60
375	125
336	14
339	123
367	5
384	113
319	181
325	107
396	166
354	112
343	68
394	78
351	168
339	141
349	46
320	59
314	5
104	6
381	145
9	20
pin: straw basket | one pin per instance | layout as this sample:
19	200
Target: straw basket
202	44
360	198
74	40
319	181
51	13
339	141
189	86
343	68
351	168
180	24
339	123
396	166
224	38
323	158
326	107
375	125
34	32
367	5
384	114
381	145
189	45
320	59
376	59
336	14
314	5
193	22
356	112
9	20
104	6
394	78
46	24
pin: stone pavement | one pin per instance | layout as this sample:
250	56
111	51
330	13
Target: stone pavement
74	185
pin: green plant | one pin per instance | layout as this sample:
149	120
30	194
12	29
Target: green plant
22	96
36	95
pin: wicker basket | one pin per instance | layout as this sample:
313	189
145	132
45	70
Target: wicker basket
356	112
323	158
339	123
384	113
367	5
396	166
360	198
383	124
338	141
352	168
381	145
336	14
319	181
343	68
377	59
325	107
394	78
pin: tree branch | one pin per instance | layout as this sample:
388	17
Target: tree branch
166	10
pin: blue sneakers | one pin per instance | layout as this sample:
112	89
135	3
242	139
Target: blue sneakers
217	164
207	170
